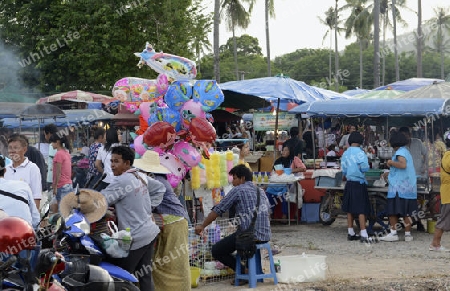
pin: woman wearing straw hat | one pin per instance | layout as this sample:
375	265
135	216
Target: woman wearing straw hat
134	194
173	239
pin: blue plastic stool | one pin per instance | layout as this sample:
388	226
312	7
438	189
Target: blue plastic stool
255	272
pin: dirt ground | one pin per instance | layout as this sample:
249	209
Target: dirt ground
357	266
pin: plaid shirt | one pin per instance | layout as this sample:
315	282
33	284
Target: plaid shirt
170	204
244	197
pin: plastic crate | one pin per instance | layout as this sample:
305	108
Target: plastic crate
372	175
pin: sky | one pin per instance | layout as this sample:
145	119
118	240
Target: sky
296	24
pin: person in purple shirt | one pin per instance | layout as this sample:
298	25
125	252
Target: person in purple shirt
244	197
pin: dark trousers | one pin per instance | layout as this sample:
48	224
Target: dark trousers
139	262
223	250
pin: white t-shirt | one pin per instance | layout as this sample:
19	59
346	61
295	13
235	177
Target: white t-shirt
14	207
43	148
105	157
51	155
29	173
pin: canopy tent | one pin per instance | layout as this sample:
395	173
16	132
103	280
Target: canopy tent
75	117
436	90
380	94
375	107
409	84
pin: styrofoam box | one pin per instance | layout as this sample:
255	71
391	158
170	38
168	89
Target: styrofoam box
325	181
301	268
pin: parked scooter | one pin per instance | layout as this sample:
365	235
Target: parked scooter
73	239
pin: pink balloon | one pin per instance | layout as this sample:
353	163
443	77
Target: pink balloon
176	168
145	109
190	110
188	154
139	146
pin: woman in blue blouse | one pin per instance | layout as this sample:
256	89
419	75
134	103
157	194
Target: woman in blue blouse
402	190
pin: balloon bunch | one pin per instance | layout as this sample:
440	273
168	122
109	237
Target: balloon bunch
173	114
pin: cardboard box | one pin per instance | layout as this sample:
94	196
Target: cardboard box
301	268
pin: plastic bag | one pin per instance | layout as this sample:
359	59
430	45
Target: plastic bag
379	183
112	247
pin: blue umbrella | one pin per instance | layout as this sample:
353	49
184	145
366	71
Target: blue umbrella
355	92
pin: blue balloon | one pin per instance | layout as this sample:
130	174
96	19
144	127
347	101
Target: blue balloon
208	94
178	93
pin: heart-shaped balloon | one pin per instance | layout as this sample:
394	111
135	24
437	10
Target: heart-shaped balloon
160	134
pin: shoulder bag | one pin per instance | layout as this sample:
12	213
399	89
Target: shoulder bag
245	239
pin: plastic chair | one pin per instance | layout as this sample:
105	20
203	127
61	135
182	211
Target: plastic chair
255	272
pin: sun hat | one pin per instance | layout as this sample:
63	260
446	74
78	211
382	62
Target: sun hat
92	204
150	162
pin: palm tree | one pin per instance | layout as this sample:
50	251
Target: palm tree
358	23
376	43
441	45
216	40
269	12
329	21
336	52
419	39
236	16
387	6
201	27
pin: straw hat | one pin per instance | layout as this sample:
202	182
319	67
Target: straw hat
150	163
92	204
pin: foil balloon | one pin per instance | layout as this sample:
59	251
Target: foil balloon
190	110
202	130
139	145
178	93
162	84
143	125
138	89
145	110
208	94
176	168
174	67
188	154
168	115
160	134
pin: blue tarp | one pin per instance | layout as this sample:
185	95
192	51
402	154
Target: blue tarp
409	84
375	107
77	117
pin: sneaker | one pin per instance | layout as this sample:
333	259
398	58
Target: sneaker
353	237
389	237
438	249
409	238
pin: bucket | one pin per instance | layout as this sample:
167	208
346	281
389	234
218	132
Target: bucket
431	225
195	277
301	268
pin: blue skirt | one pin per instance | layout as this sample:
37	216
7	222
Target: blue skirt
401	206
356	198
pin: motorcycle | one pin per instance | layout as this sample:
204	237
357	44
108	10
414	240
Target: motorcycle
73	240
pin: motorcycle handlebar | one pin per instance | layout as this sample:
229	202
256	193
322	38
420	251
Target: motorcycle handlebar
8	263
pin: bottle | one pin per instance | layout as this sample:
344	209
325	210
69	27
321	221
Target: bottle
277	266
126	240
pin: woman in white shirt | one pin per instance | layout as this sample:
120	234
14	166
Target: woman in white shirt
103	162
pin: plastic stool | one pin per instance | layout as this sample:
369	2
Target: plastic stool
255	272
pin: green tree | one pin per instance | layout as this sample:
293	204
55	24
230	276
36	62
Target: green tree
216	40
441	45
236	15
202	26
359	24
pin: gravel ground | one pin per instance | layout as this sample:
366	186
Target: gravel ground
357	266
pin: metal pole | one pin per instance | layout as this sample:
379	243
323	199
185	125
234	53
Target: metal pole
276	131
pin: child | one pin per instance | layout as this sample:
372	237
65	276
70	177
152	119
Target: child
402	190
356	198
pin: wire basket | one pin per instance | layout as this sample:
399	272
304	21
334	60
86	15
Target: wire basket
200	255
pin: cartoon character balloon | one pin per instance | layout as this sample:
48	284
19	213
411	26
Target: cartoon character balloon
202	130
175	67
139	145
160	134
188	154
175	166
208	94
166	114
139	89
179	92
190	110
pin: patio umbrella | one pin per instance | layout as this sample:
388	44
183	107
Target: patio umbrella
75	96
437	90
380	94
409	84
